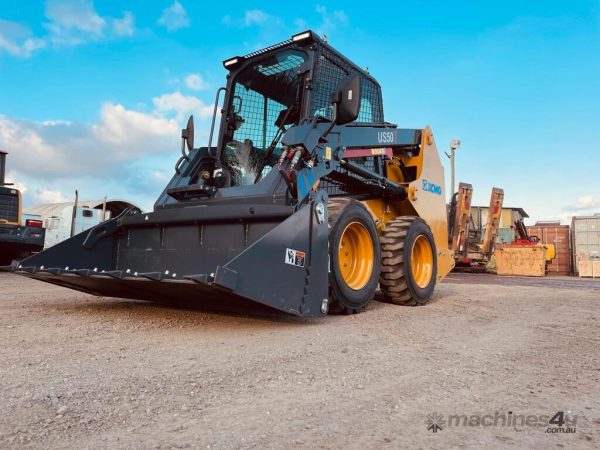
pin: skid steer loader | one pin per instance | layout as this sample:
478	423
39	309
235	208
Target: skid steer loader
308	201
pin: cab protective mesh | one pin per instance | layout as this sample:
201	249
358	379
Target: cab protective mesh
254	111
331	69
258	111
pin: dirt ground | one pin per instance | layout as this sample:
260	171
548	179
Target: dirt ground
86	372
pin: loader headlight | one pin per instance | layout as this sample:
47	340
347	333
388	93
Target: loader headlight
307	35
233	63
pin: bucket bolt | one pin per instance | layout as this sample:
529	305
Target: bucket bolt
320	212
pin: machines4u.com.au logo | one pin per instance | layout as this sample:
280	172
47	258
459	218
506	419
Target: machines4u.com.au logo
559	422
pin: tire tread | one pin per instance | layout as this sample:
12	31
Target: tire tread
392	282
335	207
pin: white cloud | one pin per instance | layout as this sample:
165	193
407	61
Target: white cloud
24	49
56	122
73	22
584	203
56	148
75	15
125	130
182	105
66	149
160	176
17	40
271	26
255	17
49	196
330	21
70	22
174	17
125	25
195	81
126	153
14	178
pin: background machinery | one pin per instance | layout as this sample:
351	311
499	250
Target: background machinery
20	235
459	218
306	203
473	246
525	239
524	256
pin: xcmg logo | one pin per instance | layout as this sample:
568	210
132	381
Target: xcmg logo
432	187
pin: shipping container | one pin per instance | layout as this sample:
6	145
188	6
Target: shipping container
559	236
585	235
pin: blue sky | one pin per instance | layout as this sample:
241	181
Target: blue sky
92	94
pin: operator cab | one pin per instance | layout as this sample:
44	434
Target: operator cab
267	93
266	98
273	89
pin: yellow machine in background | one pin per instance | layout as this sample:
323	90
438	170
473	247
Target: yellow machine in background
18	237
459	219
471	254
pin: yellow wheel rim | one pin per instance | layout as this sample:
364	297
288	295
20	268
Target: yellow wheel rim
356	255
422	261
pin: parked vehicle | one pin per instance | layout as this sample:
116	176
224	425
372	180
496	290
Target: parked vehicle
20	235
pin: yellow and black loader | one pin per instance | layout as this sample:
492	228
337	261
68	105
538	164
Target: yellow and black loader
307	202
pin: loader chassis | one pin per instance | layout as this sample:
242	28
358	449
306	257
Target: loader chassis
286	210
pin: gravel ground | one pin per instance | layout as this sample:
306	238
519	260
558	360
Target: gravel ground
86	372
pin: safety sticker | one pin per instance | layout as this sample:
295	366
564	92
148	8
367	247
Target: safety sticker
294	257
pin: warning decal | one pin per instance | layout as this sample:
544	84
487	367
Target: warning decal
294	257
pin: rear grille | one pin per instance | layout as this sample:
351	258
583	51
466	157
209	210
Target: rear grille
9	206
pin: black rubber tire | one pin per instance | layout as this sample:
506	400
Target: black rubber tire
396	282
344	299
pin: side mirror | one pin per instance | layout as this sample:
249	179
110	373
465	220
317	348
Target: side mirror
346	100
187	135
